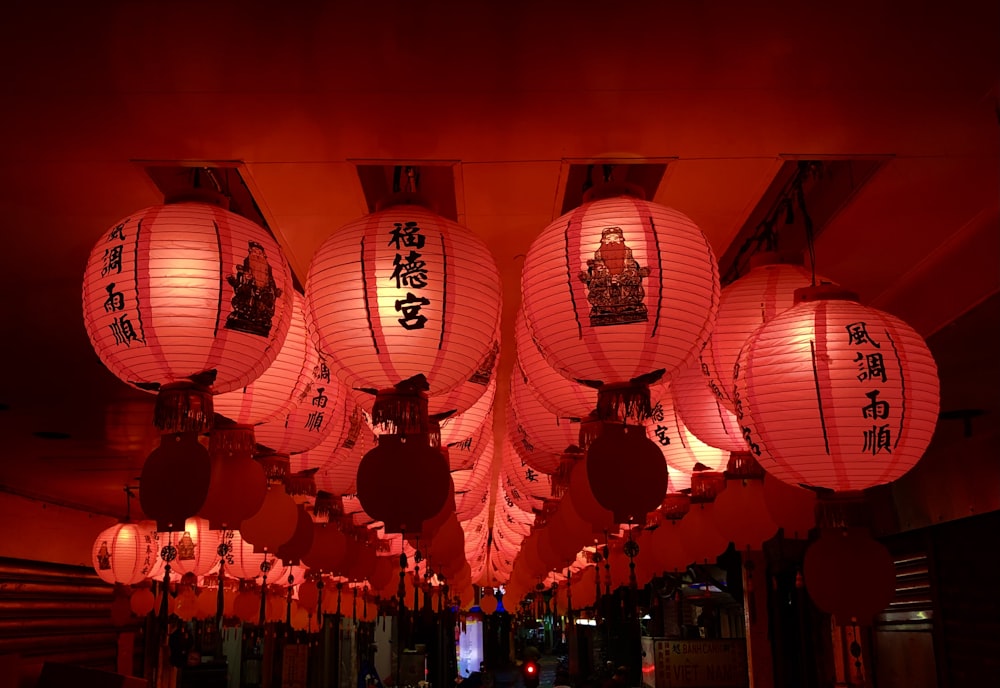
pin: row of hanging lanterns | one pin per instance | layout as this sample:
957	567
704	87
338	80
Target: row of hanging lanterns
621	391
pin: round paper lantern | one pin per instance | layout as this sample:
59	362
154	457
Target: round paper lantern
301	541
704	415
467	394
620	288
125	553
403	483
849	574
465	434
237	485
308	594
626	472
792	508
581	498
741	514
558	394
141	602
701	539
746	304
681	449
404	292
175	479
488	602
174	290
834	394
247	606
241	561
274	524
329	545
539	436
279	388
196	547
322	409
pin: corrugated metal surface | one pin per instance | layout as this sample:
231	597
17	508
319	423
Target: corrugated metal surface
56	613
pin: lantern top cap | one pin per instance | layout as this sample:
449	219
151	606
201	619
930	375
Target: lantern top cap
824	292
613	190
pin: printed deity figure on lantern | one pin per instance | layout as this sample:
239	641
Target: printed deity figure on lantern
614	282
254	293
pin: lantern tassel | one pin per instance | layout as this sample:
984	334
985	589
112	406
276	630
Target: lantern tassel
184	407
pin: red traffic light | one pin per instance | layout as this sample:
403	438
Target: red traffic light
530	668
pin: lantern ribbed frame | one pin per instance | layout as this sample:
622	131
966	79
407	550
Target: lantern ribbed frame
126	553
746	304
465	434
164	311
681	449
559	395
811	407
353	297
277	391
680	292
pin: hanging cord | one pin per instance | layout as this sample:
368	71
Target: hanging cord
397	174
800	200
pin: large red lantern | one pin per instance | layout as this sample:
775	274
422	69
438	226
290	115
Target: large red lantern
174	291
539	436
275	523
763	293
564	397
279	388
704	415
404	292
620	289
175	480
834	394
126	553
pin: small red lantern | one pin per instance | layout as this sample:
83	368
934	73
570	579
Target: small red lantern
681	449
849	574
559	395
403	482
704	415
125	553
274	524
834	394
626	471
238	485
196	547
175	480
174	291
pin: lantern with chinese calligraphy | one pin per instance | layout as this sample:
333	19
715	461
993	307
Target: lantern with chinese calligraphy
746	304
183	292
404	292
540	437
560	395
704	415
125	553
681	449
834	394
620	291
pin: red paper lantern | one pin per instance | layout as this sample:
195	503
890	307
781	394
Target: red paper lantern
173	291
488	602
527	487
559	395
404	292
581	498
834	394
681	449
141	601
274	524
322	409
699	535
849	574
704	415
619	288
301	541
626	471
467	395
240	559
175	479
465	435
196	547
763	293
237	485
540	437
741	515
278	389
792	508
125	553
403	483
329	546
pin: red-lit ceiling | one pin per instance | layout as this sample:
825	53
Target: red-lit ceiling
512	96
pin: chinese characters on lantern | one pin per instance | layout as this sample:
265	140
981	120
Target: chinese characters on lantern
121	326
871	371
662	431
409	272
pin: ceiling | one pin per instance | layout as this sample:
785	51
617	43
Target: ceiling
511	98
